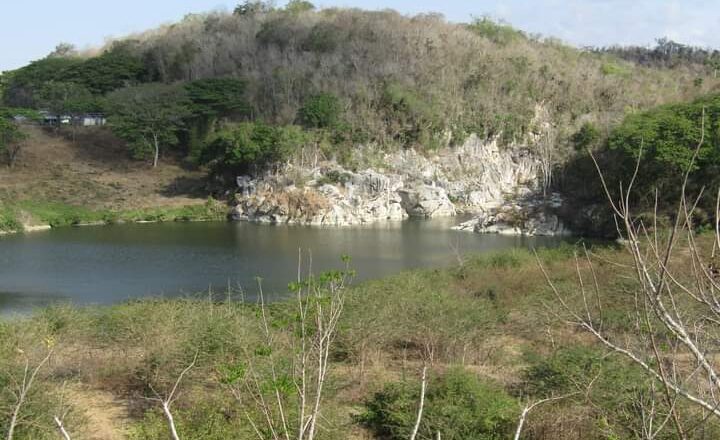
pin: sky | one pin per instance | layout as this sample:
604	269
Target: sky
29	30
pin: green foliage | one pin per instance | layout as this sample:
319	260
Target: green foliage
496	32
324	38
666	139
251	147
211	99
217	97
586	137
148	116
117	67
613	384
458	404
321	111
299	6
22	85
670	134
334	177
66	98
412	119
8	219
614	69
10	137
11	112
30	86
59	214
252	7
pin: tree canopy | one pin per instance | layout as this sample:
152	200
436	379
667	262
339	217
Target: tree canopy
252	147
217	97
149	117
10	138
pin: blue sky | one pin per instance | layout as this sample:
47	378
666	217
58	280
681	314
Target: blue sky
31	29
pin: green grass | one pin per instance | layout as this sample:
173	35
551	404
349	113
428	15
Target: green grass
8	220
59	214
493	340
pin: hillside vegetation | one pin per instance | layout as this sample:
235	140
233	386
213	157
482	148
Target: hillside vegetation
345	77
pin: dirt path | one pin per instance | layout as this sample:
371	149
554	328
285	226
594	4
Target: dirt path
105	416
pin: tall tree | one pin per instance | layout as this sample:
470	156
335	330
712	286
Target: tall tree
148	117
11	139
212	99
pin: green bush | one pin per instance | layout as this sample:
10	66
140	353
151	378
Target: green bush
496	32
321	111
614	386
458	404
8	219
334	177
586	137
251	147
611	68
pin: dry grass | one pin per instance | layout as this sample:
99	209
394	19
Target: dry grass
95	172
492	316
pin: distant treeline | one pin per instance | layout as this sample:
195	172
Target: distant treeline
666	54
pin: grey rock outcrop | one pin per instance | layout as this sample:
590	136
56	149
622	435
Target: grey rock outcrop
498	185
426	201
531	216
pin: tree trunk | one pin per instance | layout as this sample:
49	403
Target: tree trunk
12	154
62	429
156	144
416	428
170	421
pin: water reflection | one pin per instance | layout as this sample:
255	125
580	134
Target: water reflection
114	263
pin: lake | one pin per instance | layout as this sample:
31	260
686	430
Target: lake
108	264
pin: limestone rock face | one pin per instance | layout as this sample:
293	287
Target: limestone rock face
531	216
365	197
426	201
498	185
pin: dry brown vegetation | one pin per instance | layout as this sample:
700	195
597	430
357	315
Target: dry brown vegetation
94	171
493	318
400	76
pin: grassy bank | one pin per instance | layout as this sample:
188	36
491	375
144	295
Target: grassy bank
14	215
489	331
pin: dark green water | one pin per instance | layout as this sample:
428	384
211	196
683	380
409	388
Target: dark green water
103	265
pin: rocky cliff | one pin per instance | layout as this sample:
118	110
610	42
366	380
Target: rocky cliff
497	185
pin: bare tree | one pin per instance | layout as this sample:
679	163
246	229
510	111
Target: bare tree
24	387
676	306
529	407
320	303
13	153
421	406
167	400
59	418
545	148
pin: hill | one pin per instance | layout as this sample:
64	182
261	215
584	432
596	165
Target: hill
400	80
258	90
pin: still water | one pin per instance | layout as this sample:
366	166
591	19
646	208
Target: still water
107	264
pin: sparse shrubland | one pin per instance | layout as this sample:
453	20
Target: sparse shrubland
488	331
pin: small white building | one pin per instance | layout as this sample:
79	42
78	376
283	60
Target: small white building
90	120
